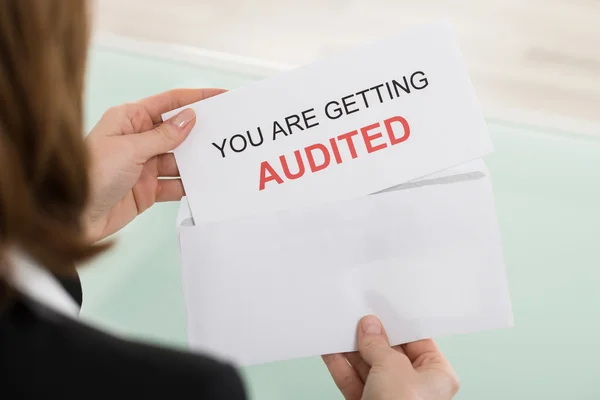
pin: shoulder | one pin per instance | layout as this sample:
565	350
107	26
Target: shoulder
44	352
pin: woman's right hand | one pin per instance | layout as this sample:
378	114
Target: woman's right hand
378	371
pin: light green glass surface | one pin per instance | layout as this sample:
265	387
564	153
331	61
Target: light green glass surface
547	186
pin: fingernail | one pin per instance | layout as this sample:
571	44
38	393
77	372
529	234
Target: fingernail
371	325
183	118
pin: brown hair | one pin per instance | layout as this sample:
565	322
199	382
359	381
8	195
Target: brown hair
43	162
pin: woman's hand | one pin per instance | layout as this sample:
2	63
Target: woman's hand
128	151
377	371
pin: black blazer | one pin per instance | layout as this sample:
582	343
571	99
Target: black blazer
46	355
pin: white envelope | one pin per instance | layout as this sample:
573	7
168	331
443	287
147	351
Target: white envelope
424	256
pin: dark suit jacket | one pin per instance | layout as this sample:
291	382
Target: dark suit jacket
46	355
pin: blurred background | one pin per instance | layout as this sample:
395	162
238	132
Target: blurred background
535	65
538	55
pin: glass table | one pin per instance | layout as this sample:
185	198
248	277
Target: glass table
547	186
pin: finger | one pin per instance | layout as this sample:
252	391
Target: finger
426	357
399	349
164	137
169	190
373	344
344	376
359	365
124	119
420	349
167	166
161	103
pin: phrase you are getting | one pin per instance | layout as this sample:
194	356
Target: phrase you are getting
338	148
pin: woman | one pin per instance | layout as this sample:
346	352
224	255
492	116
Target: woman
55	205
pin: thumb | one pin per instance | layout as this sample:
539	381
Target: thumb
373	344
166	136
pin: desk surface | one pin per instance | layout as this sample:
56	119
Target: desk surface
547	186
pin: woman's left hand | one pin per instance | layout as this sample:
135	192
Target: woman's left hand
128	151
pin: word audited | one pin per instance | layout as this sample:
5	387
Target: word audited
319	156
